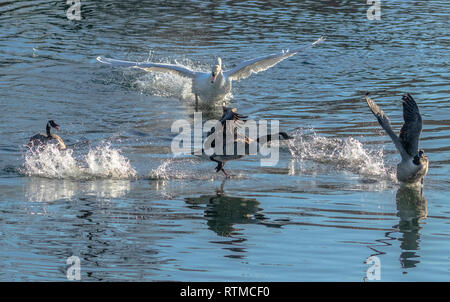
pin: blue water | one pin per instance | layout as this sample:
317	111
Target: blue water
130	210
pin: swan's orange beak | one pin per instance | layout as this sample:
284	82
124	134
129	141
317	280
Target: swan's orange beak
213	78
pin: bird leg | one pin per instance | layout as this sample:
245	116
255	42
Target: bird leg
196	102
219	163
226	174
220	166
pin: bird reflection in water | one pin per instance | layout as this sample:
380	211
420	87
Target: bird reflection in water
411	208
223	212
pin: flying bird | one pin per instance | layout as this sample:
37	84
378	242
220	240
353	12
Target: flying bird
215	85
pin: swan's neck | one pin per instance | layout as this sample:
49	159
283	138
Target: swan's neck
219	78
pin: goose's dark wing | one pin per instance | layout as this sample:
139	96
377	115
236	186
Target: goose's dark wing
384	122
410	132
229	114
229	124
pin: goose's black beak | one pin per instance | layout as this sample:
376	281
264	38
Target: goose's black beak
53	124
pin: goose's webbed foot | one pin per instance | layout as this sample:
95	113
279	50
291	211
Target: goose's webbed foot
220	166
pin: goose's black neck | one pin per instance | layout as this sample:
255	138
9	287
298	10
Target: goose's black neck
48	129
264	138
269	137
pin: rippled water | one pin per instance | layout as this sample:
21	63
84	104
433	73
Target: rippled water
130	210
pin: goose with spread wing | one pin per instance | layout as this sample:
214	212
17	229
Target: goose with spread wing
234	145
214	86
414	164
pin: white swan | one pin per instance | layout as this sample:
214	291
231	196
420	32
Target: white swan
214	86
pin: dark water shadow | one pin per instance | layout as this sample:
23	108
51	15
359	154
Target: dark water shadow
223	212
411	209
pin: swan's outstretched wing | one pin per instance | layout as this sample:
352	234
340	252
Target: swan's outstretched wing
246	68
148	66
410	132
383	120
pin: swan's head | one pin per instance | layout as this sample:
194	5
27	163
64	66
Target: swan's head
216	70
53	124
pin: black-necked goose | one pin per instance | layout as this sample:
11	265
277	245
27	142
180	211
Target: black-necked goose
44	139
414	164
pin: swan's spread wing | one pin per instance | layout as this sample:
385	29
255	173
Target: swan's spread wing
117	63
410	132
148	66
246	68
383	120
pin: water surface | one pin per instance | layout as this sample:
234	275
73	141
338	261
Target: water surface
129	210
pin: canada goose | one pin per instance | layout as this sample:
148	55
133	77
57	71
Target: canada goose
213	86
230	130
414	164
40	139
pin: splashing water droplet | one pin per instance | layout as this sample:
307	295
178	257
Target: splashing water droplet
102	162
346	154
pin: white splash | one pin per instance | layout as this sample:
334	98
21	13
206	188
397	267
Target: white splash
171	169
162	172
346	154
165	85
102	162
184	169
